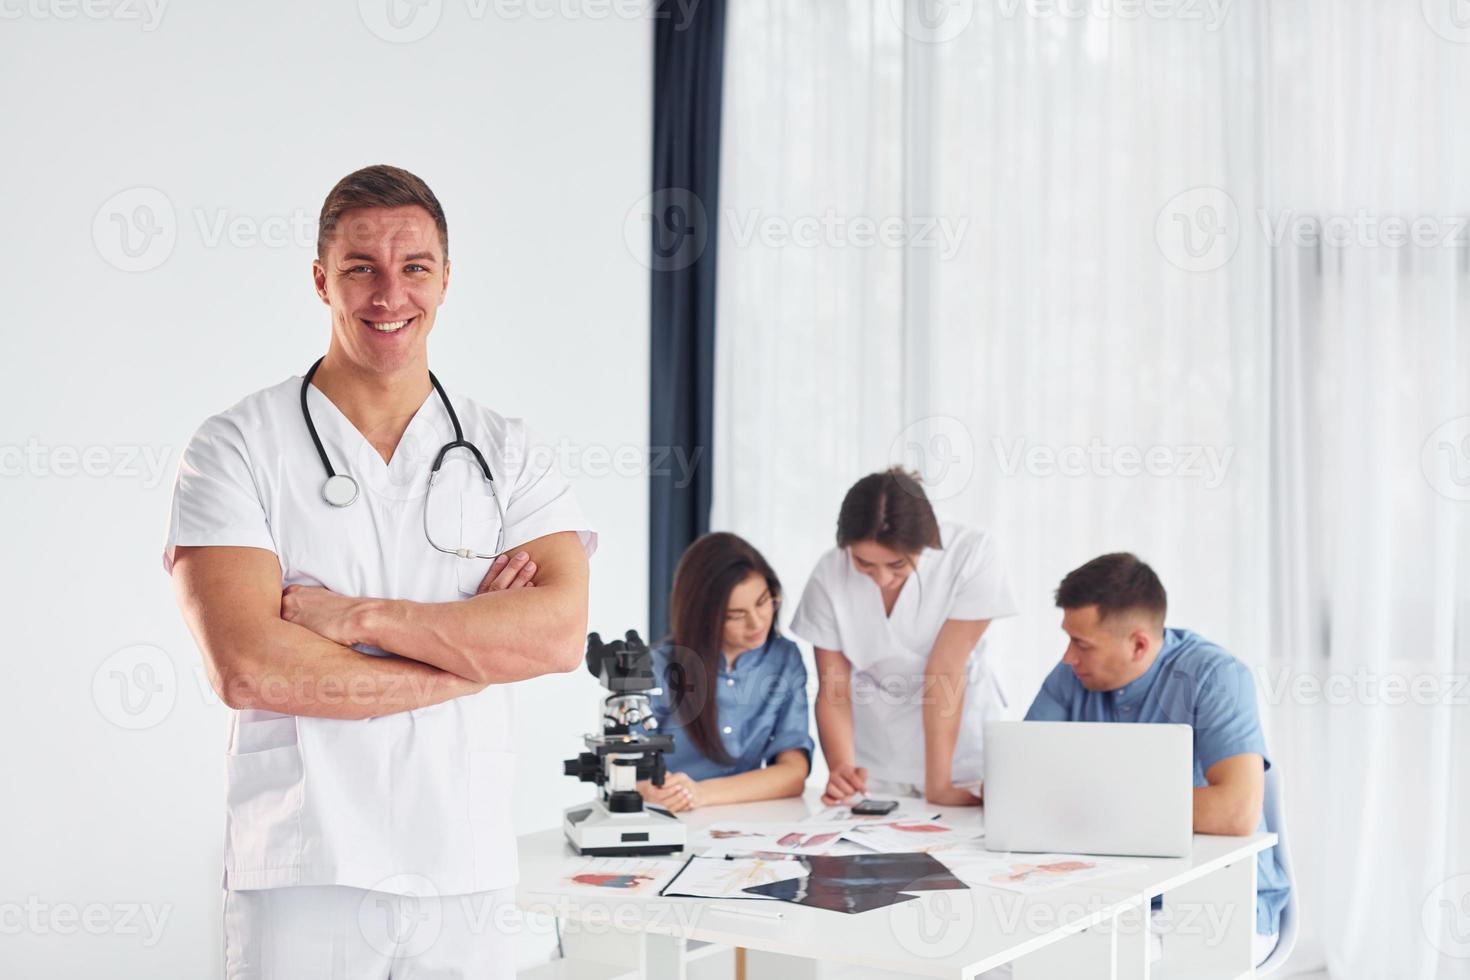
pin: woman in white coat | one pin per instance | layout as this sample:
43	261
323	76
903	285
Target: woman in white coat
897	614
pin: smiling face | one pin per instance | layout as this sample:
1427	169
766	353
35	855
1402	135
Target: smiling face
384	275
749	612
1107	654
889	568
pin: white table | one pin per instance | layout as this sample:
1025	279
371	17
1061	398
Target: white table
1080	932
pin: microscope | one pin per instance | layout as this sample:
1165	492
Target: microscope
618	823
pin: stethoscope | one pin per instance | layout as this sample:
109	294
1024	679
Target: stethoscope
340	489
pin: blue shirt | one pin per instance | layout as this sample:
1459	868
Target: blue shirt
1191	682
761	704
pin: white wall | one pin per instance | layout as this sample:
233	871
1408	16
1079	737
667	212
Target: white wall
533	130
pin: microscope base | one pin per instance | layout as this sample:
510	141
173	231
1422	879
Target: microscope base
594	831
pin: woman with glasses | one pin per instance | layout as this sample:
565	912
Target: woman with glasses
734	689
897	614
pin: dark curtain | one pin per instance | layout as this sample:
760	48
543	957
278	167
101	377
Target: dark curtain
683	211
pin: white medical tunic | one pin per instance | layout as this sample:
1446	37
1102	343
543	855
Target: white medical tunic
416	802
842	609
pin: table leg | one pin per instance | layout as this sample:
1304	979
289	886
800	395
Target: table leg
1131	942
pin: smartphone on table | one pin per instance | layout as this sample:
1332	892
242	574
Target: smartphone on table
873	808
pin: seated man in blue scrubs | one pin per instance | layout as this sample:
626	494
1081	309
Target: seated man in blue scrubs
1123	665
734	689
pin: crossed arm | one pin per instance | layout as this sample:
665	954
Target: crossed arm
291	652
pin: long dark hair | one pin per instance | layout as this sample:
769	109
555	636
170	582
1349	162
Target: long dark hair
891	509
708	572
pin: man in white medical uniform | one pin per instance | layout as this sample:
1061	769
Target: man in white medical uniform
897	615
357	624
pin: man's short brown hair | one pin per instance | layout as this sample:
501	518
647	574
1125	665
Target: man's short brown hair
379	186
1115	583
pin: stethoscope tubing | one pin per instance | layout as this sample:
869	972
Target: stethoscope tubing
341	497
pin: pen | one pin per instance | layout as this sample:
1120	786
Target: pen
753	913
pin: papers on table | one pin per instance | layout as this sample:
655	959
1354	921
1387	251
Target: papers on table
838	883
835	838
860	883
728	877
624	876
844	866
1031	873
908	836
795	838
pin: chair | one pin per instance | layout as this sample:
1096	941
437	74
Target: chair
1276	823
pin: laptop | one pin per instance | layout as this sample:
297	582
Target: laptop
1089	788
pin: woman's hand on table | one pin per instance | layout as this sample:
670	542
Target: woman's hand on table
678	793
950	795
843	783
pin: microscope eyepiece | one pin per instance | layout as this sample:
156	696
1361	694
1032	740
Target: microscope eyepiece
621	666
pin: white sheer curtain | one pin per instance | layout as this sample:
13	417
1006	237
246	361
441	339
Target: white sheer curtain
1372	479
1030	254
1031	311
809	338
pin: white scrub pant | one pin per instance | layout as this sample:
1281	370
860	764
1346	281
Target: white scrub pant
333	932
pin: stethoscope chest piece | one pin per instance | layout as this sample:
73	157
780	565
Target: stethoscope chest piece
339	490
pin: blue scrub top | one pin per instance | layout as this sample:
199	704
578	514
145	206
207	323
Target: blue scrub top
1191	682
762	709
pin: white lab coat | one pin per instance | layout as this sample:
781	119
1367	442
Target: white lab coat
416	801
842	609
